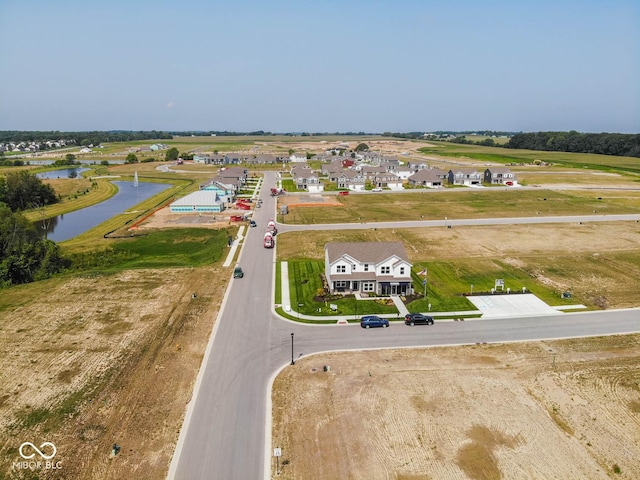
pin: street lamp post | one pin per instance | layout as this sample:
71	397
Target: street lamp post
292	361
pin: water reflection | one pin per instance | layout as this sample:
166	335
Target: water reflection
69	225
62	173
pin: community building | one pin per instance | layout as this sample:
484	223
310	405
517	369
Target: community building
200	201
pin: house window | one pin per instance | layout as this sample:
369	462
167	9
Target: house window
341	284
341	269
385	270
368	286
366	267
401	270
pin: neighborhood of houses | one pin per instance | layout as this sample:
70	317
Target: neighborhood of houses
365	171
33	147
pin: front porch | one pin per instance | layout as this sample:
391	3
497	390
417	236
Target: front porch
371	287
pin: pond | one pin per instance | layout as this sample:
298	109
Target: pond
62	173
69	225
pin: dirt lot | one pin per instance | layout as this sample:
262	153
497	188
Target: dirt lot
103	360
560	409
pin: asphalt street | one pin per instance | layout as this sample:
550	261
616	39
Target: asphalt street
226	433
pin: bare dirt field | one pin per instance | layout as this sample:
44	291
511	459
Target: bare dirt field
557	409
163	218
102	360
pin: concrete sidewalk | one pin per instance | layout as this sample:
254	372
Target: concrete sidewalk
234	247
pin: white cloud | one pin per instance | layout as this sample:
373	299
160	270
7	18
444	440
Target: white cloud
170	105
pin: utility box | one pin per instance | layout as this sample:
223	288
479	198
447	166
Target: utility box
284	209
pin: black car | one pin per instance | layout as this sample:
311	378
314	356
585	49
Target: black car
417	319
371	321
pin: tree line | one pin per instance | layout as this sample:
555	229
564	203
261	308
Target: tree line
82	138
619	144
25	254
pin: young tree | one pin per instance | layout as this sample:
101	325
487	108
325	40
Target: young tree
131	158
172	154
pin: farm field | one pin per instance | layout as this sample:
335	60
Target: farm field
556	409
498	155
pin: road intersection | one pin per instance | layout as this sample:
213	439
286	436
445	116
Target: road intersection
226	432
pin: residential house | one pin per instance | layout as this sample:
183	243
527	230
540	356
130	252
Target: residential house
432	178
232	177
390	164
404	172
415	166
298	157
306	179
369	171
377	268
500	176
331	170
464	176
234	159
388	180
269	159
350	179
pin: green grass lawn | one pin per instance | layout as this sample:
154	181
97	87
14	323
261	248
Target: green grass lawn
181	247
465	203
448	282
305	284
517	156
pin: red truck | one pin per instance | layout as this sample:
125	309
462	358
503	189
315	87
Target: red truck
277	191
269	241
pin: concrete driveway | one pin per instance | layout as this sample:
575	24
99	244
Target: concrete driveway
511	305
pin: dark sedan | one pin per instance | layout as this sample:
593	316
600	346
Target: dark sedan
417	319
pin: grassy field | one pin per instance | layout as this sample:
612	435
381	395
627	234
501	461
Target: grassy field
598	263
465	203
505	155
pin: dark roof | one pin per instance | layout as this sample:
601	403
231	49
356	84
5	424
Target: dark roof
370	252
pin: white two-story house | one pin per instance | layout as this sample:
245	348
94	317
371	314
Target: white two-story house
376	268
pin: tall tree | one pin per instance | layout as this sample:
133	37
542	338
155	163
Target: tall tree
24	255
22	190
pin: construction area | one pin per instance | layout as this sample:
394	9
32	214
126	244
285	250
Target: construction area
566	409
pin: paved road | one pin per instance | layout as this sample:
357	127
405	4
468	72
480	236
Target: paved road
576	219
224	433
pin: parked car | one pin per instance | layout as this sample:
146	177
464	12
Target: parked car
238	273
252	223
343	192
371	321
417	319
377	189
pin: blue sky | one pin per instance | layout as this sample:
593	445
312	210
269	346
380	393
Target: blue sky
320	66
